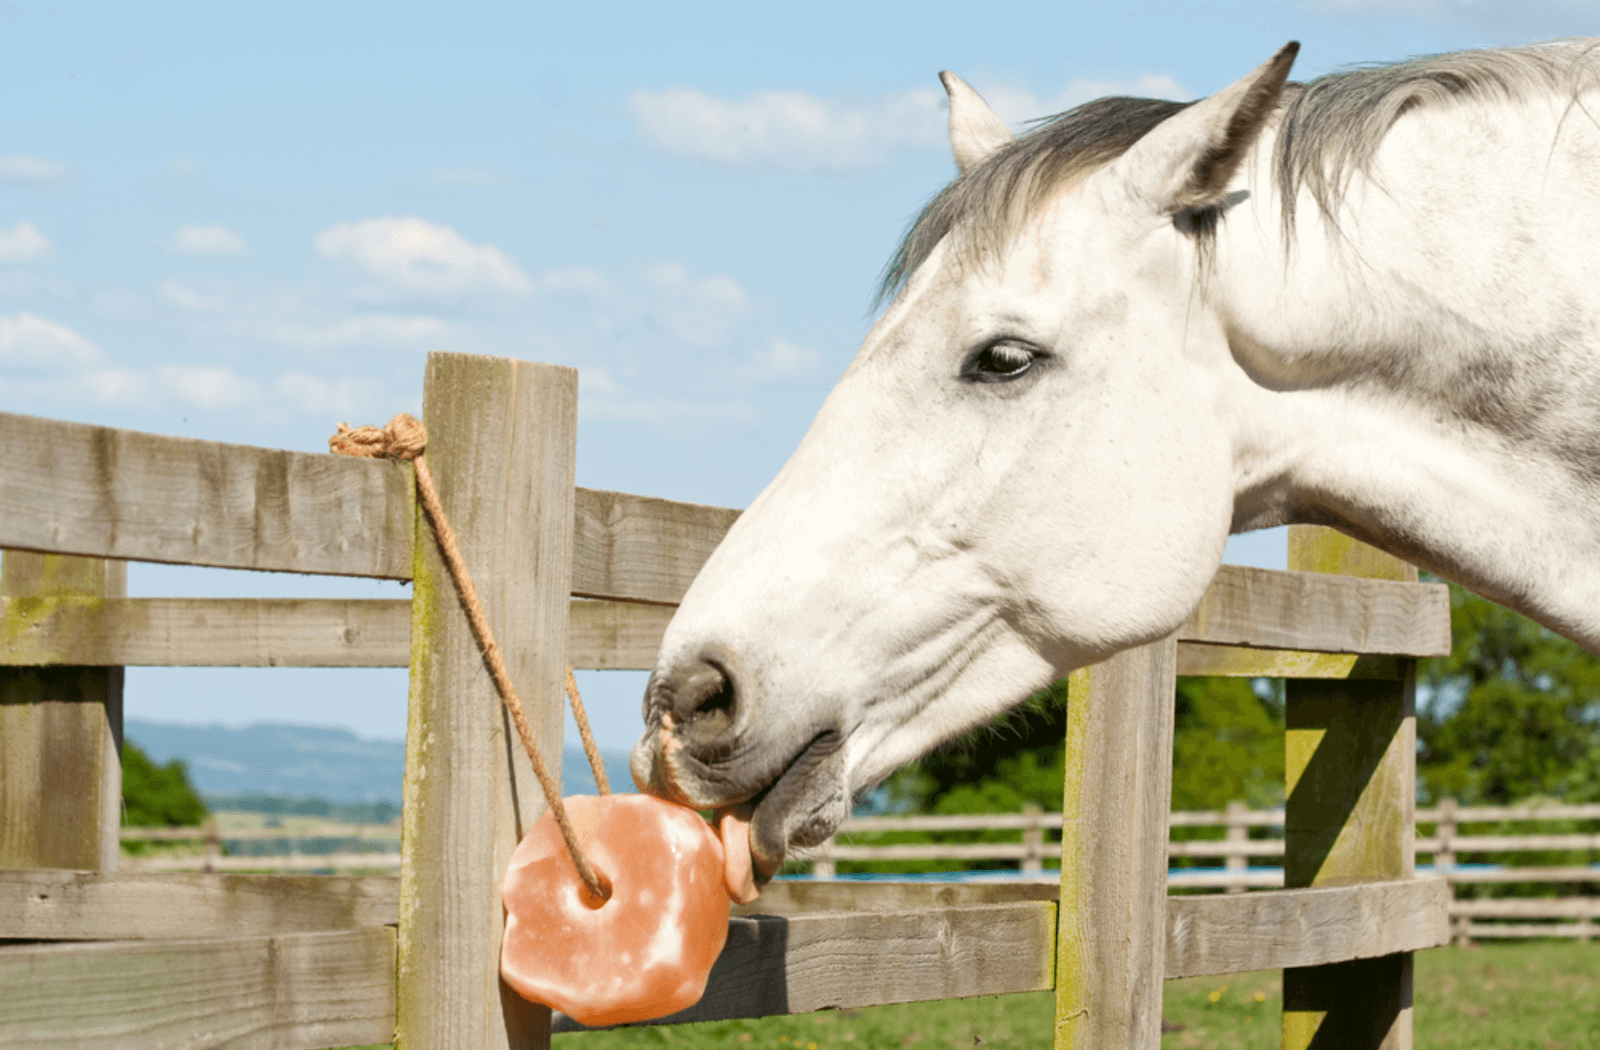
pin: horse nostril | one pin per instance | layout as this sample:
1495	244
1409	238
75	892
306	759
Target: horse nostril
699	695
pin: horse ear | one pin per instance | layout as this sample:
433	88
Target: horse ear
975	132
1187	160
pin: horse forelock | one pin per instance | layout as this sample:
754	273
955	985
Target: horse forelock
1327	130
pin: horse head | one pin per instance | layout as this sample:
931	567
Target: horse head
1026	468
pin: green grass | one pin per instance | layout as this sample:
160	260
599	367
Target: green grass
1522	996
1531	995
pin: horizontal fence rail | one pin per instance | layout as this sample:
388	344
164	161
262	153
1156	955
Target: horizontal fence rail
802	947
1445	844
605	634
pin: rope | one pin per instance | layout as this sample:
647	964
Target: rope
404	439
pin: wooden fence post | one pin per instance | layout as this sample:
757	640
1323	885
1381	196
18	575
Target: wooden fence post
1111	933
1350	760
822	865
501	439
1444	856
1033	840
1237	864
212	847
60	732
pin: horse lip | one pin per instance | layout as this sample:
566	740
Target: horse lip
658	764
655	766
766	864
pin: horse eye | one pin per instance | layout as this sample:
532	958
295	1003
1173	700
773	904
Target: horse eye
1000	361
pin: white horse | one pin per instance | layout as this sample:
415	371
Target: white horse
1370	302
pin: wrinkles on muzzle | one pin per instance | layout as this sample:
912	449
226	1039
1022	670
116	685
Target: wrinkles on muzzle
805	804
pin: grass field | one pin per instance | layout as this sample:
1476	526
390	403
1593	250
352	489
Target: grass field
1520	996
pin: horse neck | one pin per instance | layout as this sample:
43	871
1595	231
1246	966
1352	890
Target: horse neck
1423	371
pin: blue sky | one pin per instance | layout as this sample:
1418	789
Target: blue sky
249	223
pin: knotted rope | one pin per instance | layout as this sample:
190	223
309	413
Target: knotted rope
404	439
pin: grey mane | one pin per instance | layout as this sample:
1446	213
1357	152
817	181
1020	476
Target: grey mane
1328	130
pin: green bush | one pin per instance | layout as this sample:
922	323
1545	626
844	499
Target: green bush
158	796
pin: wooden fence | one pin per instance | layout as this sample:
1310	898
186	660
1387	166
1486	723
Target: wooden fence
587	577
1445	845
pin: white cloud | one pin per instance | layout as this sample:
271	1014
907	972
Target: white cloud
784	360
576	281
31	342
382	330
468	177
190	298
795	131
698	311
32	171
117	386
316	396
23	243
787	130
208	387
206	241
415	253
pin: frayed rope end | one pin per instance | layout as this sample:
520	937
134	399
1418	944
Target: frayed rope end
404	438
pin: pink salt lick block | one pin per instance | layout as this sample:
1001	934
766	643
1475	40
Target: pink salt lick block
646	950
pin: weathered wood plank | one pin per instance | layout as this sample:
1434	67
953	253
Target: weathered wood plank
86	905
502	448
1305	927
933	851
60	731
207	632
798	897
639	549
362	863
1469	814
1579	874
1512	843
369	832
796	964
615	636
1322	613
1111	940
77	489
953	822
287	632
251	993
273	632
1350	763
1488	930
1203	660
1219	818
1246	848
1512	908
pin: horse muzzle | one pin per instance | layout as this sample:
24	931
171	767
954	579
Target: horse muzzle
700	749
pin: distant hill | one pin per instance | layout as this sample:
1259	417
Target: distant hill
314	761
